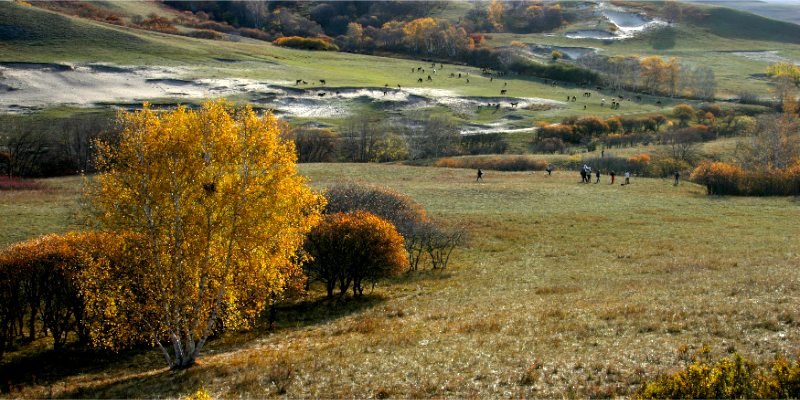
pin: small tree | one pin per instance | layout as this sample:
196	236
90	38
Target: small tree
215	198
353	248
684	113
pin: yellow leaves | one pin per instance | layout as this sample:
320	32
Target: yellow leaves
215	198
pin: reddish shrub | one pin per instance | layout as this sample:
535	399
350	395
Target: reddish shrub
10	183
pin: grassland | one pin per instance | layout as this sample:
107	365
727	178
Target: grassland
709	43
42	36
565	289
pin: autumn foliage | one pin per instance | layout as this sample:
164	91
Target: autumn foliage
215	198
46	284
725	179
298	42
728	378
352	249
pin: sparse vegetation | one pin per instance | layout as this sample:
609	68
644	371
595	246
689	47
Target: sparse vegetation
521	284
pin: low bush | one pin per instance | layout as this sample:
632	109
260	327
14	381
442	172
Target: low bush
718	177
663	167
725	179
48	285
205	34
495	163
488	143
255	34
399	209
729	378
297	42
549	145
11	183
352	249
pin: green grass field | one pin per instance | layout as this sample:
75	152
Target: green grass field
705	43
564	290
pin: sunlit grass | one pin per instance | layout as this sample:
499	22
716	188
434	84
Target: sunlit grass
564	289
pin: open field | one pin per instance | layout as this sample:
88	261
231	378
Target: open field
737	46
168	68
565	289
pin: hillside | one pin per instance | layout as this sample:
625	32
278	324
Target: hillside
563	288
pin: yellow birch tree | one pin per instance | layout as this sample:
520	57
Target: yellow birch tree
220	212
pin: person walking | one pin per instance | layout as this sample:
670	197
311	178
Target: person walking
677	178
627	178
480	176
597	174
583	175
549	169
613	175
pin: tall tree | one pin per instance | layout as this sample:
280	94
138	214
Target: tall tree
215	199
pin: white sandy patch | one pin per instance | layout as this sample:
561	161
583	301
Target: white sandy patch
771	56
629	24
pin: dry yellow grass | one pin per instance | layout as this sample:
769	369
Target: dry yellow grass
565	289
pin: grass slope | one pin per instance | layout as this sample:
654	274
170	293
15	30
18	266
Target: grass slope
730	23
565	289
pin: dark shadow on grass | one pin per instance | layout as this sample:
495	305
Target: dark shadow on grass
323	310
49	366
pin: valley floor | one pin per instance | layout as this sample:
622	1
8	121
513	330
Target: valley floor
564	289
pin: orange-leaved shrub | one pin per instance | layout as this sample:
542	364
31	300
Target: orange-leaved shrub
718	177
494	163
354	248
304	43
722	178
45	286
729	378
424	239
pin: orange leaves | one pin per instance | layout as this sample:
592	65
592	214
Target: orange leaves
351	248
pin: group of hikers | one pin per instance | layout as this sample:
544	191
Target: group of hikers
586	175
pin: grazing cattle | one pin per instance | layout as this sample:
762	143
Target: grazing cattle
503	91
430	79
398	86
491	79
305	83
658	102
467	80
419	69
621	97
419	80
505	84
459	74
385	85
599	88
452	75
322	94
574	98
602	102
385	91
514	104
297	82
638	98
322	81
